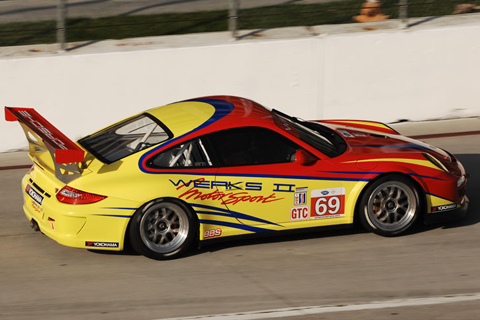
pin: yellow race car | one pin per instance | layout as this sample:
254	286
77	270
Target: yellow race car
223	166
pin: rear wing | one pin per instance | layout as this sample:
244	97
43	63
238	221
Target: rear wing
42	136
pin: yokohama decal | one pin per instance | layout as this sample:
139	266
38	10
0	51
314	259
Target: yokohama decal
328	203
96	244
446	207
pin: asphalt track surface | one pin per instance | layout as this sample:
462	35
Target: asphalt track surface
431	273
35	10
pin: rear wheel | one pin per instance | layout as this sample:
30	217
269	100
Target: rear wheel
162	229
390	206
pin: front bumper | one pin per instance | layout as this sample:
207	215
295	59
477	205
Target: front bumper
447	216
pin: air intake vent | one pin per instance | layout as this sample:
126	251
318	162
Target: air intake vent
382	136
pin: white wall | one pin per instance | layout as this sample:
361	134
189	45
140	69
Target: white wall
393	75
385	76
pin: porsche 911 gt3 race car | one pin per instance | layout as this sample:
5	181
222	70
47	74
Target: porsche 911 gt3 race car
223	166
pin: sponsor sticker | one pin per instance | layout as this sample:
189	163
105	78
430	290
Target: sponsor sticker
97	244
328	203
299	213
446	207
300	196
227	197
37	197
212	233
36	207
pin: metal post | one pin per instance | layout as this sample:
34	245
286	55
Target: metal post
61	24
403	13
233	18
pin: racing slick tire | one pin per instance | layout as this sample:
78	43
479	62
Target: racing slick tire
163	230
389	206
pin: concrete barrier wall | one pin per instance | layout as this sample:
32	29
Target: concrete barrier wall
381	75
392	75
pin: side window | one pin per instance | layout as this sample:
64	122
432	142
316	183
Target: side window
188	154
252	145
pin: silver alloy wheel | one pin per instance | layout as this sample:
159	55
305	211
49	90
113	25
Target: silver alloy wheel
391	206
164	227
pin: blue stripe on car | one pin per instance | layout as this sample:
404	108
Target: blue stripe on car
236	214
428	177
352	172
112	215
369	173
258	176
431	194
222	108
234	225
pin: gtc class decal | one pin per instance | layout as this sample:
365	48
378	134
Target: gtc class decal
328	203
299	213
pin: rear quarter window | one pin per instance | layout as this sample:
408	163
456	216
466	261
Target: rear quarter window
125	138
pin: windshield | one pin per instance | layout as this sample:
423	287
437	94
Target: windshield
125	138
320	137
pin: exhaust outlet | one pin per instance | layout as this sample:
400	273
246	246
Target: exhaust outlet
34	225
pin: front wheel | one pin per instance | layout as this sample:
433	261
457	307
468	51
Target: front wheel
389	206
162	229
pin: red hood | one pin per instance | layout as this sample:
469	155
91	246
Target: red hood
371	143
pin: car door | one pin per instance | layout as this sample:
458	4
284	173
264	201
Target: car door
264	184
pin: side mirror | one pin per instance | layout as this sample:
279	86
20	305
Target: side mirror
304	158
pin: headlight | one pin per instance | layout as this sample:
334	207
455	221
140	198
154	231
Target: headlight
435	161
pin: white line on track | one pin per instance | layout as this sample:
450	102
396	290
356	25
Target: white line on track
302	311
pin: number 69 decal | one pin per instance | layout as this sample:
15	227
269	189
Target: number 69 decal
328	203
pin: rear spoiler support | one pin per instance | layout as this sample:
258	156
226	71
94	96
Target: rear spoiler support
70	167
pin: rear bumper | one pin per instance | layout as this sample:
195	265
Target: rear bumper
99	225
446	216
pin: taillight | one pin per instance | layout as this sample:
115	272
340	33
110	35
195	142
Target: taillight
73	196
